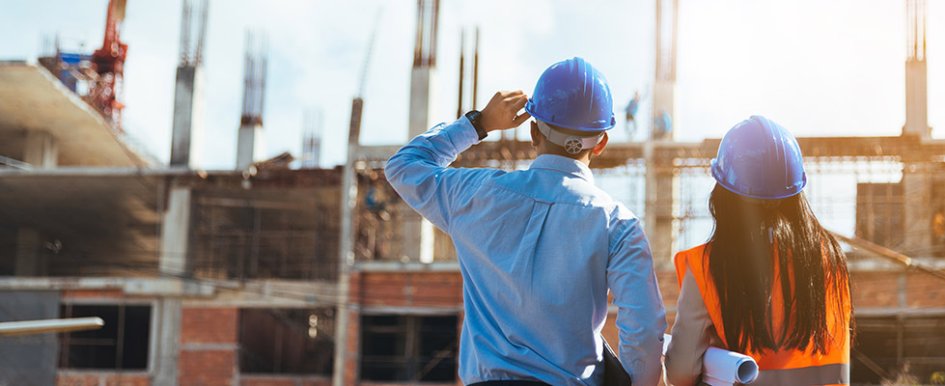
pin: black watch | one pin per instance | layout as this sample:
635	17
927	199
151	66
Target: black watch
474	118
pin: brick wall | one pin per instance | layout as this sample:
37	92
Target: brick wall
875	289
408	289
924	291
208	347
265	380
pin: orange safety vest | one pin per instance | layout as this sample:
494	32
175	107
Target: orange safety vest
781	367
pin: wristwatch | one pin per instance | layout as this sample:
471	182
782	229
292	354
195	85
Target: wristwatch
473	117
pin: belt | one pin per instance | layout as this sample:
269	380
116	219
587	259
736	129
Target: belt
509	383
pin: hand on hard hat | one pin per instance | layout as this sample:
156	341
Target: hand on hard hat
502	111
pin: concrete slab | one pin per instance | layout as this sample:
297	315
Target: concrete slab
34	100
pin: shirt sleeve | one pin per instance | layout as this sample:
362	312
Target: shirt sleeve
641	318
419	172
692	335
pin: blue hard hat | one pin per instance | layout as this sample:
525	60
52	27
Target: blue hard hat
760	159
572	94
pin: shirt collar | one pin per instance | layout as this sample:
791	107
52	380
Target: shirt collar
563	164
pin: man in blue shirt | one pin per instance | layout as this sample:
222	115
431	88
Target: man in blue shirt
539	248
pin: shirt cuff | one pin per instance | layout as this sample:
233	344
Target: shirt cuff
462	134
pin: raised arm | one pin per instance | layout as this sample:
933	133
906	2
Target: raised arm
641	318
419	173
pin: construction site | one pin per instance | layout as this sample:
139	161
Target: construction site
283	272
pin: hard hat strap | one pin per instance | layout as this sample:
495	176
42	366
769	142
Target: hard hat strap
571	143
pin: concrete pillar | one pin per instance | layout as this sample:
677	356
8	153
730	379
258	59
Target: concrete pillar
917	105
249	147
417	231
30	261
418	235
188	113
917	196
40	150
175	233
422	80
664	85
917	100
661	187
166	341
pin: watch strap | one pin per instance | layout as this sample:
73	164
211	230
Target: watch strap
473	117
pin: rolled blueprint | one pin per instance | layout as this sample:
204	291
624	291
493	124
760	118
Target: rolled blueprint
723	367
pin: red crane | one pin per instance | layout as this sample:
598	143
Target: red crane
109	64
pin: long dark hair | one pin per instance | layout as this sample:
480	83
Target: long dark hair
741	264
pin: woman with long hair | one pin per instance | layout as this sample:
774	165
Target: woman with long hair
771	282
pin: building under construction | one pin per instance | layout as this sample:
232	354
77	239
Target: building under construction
274	275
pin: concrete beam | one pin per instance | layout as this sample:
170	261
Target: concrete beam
129	286
413	266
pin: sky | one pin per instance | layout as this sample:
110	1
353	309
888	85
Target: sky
819	68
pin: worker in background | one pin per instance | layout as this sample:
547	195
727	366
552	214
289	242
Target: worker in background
663	126
539	248
771	282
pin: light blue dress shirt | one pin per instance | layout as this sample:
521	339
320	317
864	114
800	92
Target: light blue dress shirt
537	249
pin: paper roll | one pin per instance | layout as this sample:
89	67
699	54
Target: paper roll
723	367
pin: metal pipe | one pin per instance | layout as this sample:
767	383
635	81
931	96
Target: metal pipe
475	79
462	72
30	327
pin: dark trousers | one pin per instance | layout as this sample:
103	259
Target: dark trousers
509	383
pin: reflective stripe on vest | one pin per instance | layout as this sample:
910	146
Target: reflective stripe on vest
781	367
837	374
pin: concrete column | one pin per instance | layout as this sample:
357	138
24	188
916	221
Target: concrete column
664	85
30	261
917	96
917	105
418	233
917	196
422	80
166	340
249	146
40	150
175	233
188	112
418	236
660	200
